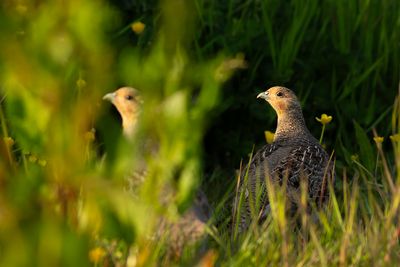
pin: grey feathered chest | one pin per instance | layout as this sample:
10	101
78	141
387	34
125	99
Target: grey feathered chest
292	160
288	162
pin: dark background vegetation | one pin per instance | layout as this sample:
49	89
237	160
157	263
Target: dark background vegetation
340	57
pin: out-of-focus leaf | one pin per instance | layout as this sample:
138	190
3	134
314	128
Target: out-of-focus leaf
366	152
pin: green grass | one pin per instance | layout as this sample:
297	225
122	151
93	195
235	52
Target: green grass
63	163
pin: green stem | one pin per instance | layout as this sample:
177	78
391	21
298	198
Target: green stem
322	133
5	135
3	122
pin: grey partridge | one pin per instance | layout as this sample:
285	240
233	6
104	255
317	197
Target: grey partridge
295	156
191	226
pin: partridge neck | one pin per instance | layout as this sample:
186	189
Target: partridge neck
291	125
128	127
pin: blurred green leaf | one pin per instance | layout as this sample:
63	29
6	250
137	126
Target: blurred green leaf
366	152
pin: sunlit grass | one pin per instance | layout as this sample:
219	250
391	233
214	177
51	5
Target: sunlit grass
360	227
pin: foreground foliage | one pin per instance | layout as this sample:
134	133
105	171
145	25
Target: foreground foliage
63	197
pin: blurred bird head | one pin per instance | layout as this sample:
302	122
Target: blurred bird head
281	99
128	102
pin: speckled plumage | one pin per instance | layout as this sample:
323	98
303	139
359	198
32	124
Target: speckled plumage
293	157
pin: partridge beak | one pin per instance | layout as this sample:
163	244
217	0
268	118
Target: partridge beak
263	95
110	97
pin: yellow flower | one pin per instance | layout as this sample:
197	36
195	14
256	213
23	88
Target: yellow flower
269	137
354	157
9	141
378	139
96	254
42	162
395	137
228	66
32	158
90	135
138	27
81	83
325	119
21	9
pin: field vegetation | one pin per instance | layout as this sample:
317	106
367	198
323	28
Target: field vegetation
199	66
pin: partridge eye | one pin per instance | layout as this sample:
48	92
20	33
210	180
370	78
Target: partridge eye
128	97
279	94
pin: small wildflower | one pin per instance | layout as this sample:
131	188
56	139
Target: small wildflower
354	157
32	158
9	141
96	254
395	137
21	9
90	135
269	137
378	139
325	119
81	83
138	27
228	66
42	162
